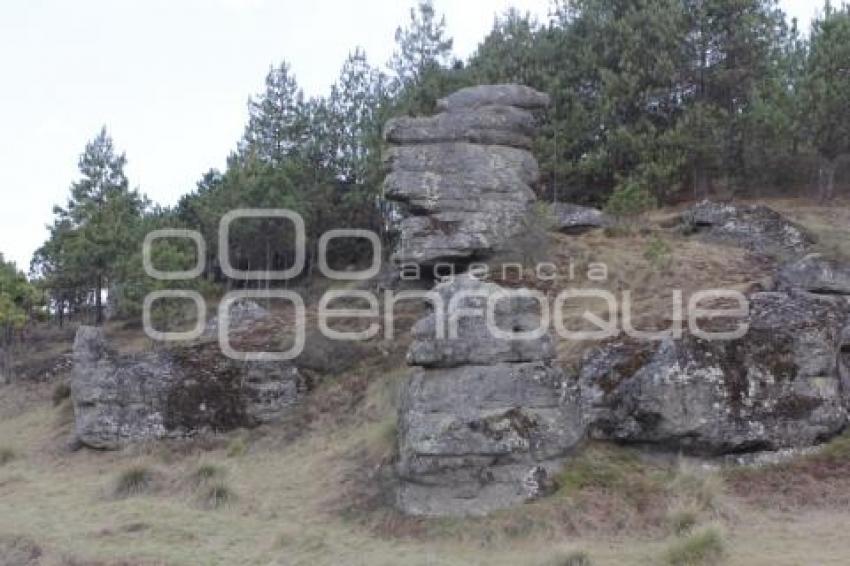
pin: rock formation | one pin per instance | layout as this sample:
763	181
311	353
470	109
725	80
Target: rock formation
484	421
576	219
777	387
816	274
464	176
757	228
171	394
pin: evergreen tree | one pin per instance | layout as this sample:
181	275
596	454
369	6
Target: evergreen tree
827	93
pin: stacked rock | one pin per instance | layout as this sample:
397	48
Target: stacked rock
486	419
464	176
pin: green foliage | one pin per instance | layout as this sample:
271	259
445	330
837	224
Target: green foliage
704	547
18	299
629	200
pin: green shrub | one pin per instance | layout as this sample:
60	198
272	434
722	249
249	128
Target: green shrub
701	548
630	200
134	481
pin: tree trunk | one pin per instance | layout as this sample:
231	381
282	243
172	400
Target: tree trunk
98	299
826	180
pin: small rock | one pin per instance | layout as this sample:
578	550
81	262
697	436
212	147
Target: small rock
576	219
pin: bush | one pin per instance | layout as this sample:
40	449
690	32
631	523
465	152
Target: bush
630	200
217	495
134	481
698	549
236	447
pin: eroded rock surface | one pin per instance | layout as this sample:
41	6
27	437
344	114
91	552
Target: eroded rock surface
757	228
577	219
816	274
464	176
777	387
171	394
485	423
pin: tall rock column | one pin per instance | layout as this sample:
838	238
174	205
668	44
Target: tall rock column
464	176
485	420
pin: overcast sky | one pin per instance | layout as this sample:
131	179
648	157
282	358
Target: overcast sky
170	79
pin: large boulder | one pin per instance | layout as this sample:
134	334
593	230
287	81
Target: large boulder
776	387
119	399
576	219
484	422
757	228
464	177
816	274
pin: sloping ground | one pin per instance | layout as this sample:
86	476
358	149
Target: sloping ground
309	491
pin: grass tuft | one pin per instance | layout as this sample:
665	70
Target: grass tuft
236	447
134	481
206	473
217	495
7	455
702	548
577	558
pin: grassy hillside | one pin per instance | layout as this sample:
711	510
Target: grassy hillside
314	489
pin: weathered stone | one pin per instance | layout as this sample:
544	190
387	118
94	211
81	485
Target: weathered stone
486	421
487	95
243	315
474	343
816	274
171	394
478	438
577	219
465	177
490	125
777	387
757	228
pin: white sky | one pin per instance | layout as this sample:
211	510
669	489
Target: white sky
170	79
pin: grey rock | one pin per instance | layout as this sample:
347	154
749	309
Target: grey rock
464	178
757	228
487	95
577	219
816	274
475	344
120	399
243	315
475	439
490	125
777	387
486	422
